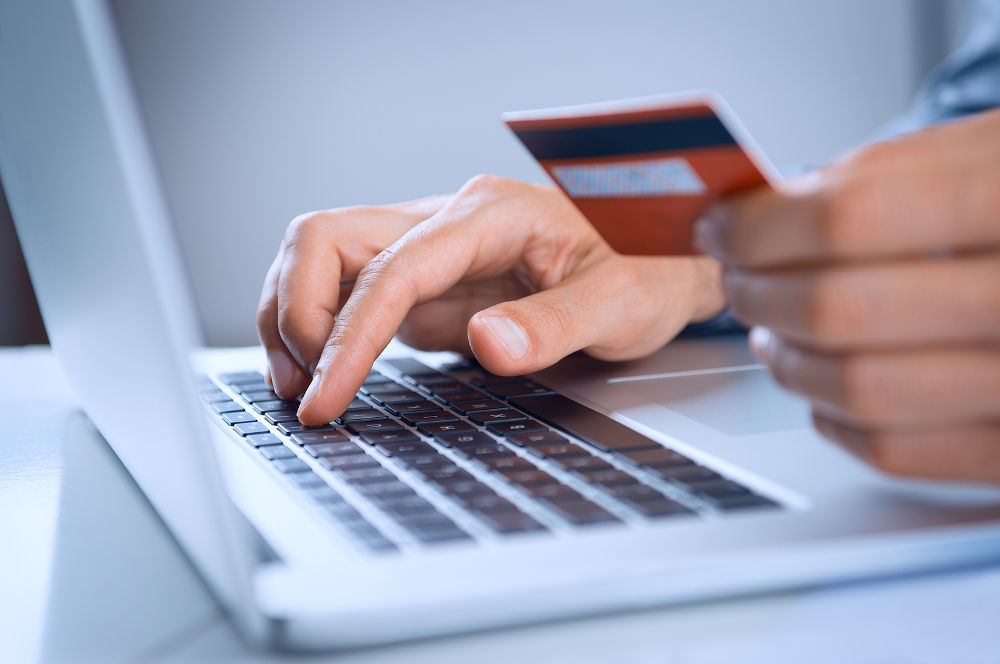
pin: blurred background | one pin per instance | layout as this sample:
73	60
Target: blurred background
259	111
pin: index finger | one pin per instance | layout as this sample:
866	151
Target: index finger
423	264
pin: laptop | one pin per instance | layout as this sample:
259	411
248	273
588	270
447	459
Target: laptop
445	499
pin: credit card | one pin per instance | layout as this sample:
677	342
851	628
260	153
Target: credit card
642	171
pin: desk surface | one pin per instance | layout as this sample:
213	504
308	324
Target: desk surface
88	573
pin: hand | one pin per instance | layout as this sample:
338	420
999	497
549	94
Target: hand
875	286
508	270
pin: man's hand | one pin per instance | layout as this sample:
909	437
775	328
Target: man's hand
875	286
509	270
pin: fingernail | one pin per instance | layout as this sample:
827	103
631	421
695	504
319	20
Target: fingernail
761	342
509	334
707	233
281	369
312	393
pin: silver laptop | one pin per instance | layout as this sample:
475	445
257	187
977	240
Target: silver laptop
445	499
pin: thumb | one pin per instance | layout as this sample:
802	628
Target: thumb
619	309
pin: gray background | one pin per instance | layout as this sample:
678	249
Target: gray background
260	111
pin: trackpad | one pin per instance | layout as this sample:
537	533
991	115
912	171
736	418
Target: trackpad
737	403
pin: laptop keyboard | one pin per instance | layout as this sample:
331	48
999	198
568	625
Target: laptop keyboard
421	457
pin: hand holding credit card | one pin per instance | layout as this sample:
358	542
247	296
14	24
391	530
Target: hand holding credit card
642	171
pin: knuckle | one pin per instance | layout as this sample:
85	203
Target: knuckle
304	226
486	183
265	318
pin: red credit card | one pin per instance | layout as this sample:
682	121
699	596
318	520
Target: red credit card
642	171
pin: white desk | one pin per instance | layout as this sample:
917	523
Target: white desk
87	573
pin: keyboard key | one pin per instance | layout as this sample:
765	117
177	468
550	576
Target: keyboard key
291	465
561	450
584	423
400	397
714	488
553	492
275	404
376	378
505	415
374	425
241	377
687	474
655	458
436	532
384	388
358	404
583	464
336	507
248	428
416	463
331	436
230	406
412	407
742	502
435	428
368	536
278	416
543	437
262	395
348	461
272	452
515	428
365	475
483	451
417	418
582	512
214	395
322	493
395	436
361	416
463	439
393	488
405	448
504	463
444	474
659	508
408	366
527	477
521	389
489	503
252	386
466	407
401	504
636	493
308	480
466	490
438	379
608	478
241	417
509	523
453	398
293	427
446	387
332	449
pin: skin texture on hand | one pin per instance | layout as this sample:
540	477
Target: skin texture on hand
875	288
506	270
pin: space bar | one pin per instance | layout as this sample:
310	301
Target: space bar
576	419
